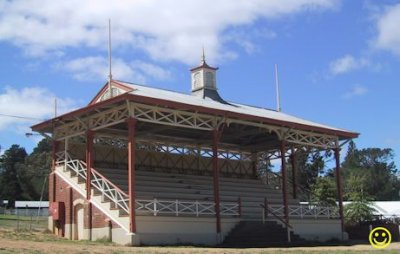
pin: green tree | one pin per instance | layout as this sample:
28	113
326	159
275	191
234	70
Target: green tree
10	185
35	170
324	191
309	166
360	209
377	165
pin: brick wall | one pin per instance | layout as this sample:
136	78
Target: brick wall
99	220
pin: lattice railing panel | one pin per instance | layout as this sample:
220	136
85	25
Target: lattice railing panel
306	211
188	207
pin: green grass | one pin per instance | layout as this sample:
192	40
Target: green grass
23	222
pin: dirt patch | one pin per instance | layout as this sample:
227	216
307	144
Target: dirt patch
37	242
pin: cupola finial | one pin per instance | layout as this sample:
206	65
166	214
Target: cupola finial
203	57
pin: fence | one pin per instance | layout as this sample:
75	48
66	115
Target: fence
23	219
42	212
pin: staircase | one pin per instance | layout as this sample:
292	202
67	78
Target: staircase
105	196
259	234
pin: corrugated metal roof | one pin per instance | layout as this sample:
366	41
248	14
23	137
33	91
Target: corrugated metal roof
231	107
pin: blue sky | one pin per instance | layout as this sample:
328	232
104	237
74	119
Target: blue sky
338	60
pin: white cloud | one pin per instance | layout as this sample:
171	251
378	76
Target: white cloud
347	63
388	37
32	103
245	36
355	91
152	70
96	68
165	30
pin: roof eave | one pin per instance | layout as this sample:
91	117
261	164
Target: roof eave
201	109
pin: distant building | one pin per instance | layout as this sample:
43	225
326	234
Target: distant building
26	208
387	209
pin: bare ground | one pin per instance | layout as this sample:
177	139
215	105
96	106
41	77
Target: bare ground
38	242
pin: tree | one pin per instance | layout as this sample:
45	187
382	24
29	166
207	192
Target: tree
309	165
360	209
381	182
35	169
10	185
324	192
22	176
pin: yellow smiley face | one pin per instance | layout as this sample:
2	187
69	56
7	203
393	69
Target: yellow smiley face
380	238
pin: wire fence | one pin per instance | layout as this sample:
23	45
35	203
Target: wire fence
24	219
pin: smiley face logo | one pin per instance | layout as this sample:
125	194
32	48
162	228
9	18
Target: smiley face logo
380	238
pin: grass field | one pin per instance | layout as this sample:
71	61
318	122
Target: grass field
38	241
23	222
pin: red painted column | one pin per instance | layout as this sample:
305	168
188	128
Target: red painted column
339	186
90	211
52	186
54	151
71	210
89	165
89	162
284	181
131	173
294	173
216	134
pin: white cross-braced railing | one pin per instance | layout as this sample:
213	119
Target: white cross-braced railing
109	190
187	207
61	157
77	166
153	206
98	181
306	212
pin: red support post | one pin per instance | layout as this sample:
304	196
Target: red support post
339	186
54	154
89	162
284	181
216	134
71	210
294	173
90	220
89	166
131	173
52	186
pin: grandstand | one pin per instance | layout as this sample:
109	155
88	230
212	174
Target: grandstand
145	166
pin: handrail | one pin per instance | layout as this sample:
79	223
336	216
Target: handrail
120	198
109	182
276	216
100	182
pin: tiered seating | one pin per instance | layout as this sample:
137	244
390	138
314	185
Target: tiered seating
171	186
